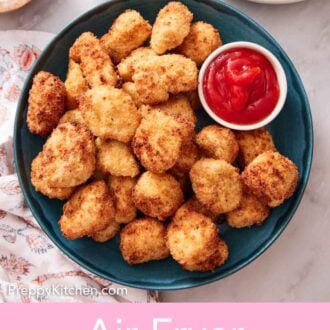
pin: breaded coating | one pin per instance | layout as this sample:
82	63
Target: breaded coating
253	143
89	210
75	84
201	41
218	142
130	89
128	32
156	78
74	116
271	177
108	233
157	141
110	113
94	62
116	158
194	205
46	103
193	242
151	82
121	188
187	157
128	65
181	73
157	195
251	211
217	185
68	156
178	105
143	240
172	25
193	99
39	184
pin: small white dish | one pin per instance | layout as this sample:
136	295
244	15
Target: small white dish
281	78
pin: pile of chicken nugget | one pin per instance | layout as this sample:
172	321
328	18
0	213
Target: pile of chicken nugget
122	148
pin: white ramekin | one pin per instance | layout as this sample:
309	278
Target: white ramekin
280	77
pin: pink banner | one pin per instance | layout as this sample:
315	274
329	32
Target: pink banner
165	316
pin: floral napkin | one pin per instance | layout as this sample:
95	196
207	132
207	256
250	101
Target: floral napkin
32	269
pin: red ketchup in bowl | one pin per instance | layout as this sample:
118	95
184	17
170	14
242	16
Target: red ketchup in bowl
240	86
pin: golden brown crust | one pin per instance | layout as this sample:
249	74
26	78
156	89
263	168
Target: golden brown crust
68	156
193	242
161	75
116	158
110	113
129	65
193	99
172	25
121	190
94	62
187	157
157	195
253	143
191	205
271	177
89	210
108	233
217	185
201	41
73	116
143	240
75	85
251	211
38	182
218	143
46	103
158	140
128	32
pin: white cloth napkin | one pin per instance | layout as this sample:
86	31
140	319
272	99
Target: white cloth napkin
32	269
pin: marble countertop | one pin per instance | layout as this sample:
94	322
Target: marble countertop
297	266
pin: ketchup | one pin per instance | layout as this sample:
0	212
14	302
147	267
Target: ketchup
240	86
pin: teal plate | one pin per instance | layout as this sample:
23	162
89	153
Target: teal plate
292	131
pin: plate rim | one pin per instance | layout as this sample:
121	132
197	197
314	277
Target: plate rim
172	286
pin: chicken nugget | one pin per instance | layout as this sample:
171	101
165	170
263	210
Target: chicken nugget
128	65
172	25
181	73
157	195
128	32
74	116
253	143
108	233
193	204
75	84
110	113
201	41
151	83
46	103
187	157
121	190
39	184
94	62
68	156
251	211
89	210
271	177
116	158
157	141
217	185
178	105
218	143
143	240
193	241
